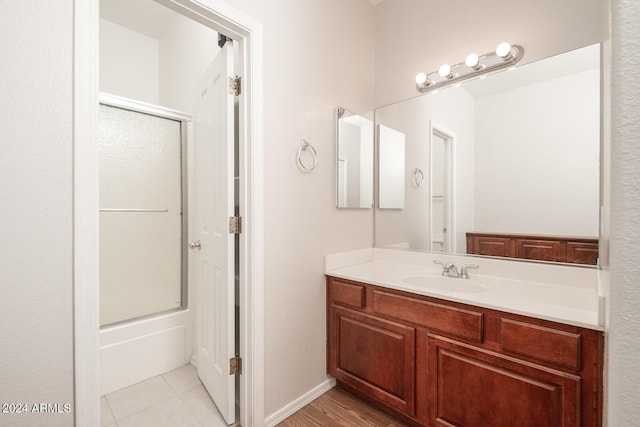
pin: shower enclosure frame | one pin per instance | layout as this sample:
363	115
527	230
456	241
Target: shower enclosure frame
185	120
248	33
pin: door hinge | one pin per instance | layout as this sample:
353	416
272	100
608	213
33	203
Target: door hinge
235	225
235	85
235	365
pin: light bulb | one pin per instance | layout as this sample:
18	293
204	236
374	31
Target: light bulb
504	50
445	71
421	78
472	61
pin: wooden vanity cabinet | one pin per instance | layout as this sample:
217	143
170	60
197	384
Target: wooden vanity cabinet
387	377
440	363
582	252
490	245
575	250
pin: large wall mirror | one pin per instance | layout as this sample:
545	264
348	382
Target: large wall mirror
513	157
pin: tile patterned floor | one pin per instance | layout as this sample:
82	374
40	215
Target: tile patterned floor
174	399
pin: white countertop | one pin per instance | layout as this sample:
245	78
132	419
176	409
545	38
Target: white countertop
558	293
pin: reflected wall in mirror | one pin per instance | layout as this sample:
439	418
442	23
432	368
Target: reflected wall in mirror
354	160
391	166
524	160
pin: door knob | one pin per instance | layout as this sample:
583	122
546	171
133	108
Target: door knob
195	245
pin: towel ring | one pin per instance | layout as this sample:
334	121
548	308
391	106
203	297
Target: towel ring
314	156
418	177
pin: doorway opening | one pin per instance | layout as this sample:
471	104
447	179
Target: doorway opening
152	54
247	34
441	190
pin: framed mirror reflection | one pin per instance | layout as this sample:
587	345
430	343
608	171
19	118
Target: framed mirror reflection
354	162
504	165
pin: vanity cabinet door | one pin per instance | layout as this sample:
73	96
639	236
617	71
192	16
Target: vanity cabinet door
582	253
490	246
470	386
538	249
374	356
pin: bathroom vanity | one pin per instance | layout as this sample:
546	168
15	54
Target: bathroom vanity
505	342
491	350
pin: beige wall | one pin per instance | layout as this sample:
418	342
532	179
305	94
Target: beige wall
162	71
186	49
36	305
624	303
128	63
318	56
418	35
558	126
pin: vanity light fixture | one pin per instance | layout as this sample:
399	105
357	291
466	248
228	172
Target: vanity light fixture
505	55
504	51
445	71
473	61
421	79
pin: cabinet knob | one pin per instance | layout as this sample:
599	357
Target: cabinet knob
195	245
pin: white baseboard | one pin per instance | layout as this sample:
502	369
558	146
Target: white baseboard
293	407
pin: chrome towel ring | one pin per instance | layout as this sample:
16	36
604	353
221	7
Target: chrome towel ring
313	154
418	177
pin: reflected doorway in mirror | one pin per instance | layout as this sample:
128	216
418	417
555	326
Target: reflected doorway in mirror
441	189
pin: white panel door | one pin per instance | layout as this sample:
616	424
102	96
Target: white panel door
214	204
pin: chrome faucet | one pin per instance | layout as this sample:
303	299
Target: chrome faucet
464	274
448	269
451	270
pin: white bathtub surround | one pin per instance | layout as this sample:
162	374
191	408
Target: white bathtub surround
555	292
141	349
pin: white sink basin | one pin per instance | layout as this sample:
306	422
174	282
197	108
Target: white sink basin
441	283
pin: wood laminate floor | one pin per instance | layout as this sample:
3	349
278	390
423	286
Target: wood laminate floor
338	408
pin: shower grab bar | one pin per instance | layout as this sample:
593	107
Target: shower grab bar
134	210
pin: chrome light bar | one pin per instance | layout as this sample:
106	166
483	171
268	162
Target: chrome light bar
504	56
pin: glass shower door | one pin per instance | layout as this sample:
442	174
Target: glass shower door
140	173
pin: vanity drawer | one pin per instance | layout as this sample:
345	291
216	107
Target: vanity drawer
549	345
348	294
435	317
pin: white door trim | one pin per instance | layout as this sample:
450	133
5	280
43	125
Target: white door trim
85	213
450	137
248	33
